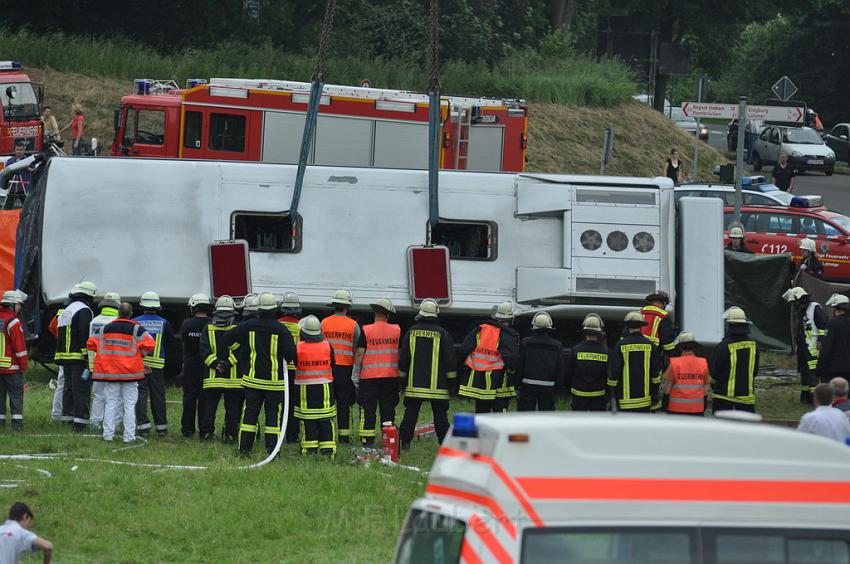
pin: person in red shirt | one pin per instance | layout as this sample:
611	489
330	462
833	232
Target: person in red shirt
13	358
78	131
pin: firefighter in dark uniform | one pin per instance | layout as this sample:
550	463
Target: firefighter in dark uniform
426	370
834	357
736	242
811	322
541	367
634	368
491	349
659	329
193	364
266	347
222	377
587	369
72	355
290	315
810	261
734	365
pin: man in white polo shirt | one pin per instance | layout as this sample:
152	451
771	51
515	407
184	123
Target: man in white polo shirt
16	538
826	420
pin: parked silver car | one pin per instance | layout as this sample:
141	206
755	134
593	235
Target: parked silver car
689	124
804	147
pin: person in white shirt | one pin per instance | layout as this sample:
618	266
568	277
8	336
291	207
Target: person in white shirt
826	420
16	538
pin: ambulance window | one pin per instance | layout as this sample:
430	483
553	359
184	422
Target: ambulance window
192	130
129	128
150	128
430	538
466	240
266	232
778	547
609	546
227	133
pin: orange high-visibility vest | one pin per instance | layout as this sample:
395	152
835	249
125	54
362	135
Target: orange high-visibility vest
485	356
118	351
381	358
339	331
653	317
688	392
314	363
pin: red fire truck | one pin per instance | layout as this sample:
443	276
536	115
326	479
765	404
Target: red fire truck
263	120
21	102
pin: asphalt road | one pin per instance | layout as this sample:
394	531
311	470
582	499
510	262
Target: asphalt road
835	189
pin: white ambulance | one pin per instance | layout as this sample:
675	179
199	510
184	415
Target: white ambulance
614	488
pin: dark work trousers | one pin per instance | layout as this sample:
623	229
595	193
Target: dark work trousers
536	398
154	386
345	394
498	405
726	405
808	381
292	426
76	396
379	394
232	412
637	410
580	403
440	408
271	403
12	385
193	404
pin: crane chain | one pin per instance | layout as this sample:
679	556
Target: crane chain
324	41
434	29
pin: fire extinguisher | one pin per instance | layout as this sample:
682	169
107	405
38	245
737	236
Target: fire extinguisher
389	438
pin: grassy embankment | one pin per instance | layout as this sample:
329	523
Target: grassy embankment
294	509
572	100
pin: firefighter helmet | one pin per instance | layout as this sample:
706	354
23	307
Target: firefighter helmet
249	302
342	297
225	304
12	297
383	305
109	302
311	326
290	301
84	288
735	316
594	316
794	294
429	308
150	300
198	300
635	319
736	233
266	301
115	296
838	300
687	337
808	245
504	311
542	320
592	324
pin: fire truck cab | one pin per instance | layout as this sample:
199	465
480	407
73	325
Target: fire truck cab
263	120
21	102
613	488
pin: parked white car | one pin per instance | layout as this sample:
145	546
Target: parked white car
806	149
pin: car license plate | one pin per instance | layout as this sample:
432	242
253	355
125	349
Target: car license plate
814	162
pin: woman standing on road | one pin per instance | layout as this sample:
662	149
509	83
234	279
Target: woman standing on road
673	168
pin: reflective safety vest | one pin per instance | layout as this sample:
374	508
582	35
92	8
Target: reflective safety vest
13	347
339	331
381	358
688	392
314	363
155	325
812	332
291	323
107	315
67	350
653	317
485	357
229	380
118	351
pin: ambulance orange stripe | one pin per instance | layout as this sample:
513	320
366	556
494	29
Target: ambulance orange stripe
688	490
487	502
506	479
468	553
490	541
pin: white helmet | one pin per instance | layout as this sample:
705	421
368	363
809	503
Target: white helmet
311	326
150	300
687	337
342	297
542	320
225	304
735	316
12	297
592	324
249	302
838	300
290	301
504	311
794	294
429	308
808	245
266	301
115	296
634	319
84	288
736	233
383	305
199	299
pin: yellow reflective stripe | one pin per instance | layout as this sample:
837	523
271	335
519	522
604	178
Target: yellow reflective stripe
733	370
627	388
253	357
584	394
599	357
635	403
275	365
412	360
5	362
646	374
414	392
435	361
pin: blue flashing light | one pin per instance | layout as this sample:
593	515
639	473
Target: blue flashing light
143	86
193	82
10	65
464	425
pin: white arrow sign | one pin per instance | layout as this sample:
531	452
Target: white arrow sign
789	114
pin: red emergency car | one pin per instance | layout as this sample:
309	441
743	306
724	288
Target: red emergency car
775	230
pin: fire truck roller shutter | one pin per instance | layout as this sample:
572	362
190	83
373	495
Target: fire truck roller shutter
343	141
486	143
401	144
282	133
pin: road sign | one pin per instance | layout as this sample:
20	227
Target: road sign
730	111
784	89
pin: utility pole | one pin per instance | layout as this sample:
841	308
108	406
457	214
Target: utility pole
701	84
739	161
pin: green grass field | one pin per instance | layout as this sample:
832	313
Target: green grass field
294	509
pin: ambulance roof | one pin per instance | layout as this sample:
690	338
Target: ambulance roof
563	467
